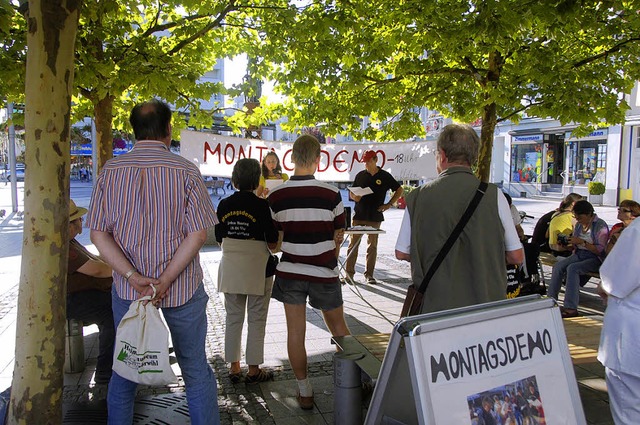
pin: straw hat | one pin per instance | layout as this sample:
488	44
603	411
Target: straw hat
75	212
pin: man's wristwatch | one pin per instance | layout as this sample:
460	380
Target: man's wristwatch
128	274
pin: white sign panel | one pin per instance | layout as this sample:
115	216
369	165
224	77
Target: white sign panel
216	155
510	366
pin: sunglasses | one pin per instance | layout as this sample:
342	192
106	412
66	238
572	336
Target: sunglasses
624	210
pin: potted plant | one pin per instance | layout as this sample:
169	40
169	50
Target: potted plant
596	190
406	189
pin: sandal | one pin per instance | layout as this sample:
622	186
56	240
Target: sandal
262	376
235	377
566	313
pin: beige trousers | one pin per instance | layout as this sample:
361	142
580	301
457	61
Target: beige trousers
257	309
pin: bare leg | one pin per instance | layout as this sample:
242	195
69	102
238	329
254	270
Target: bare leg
296	315
335	322
235	367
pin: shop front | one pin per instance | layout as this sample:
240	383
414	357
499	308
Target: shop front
586	158
536	161
526	158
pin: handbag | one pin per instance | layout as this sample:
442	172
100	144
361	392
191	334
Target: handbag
415	295
141	352
272	263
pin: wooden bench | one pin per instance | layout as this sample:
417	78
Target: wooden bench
215	186
583	339
548	259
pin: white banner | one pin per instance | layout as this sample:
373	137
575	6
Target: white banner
216	155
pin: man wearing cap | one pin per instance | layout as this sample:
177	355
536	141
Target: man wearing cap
89	293
368	211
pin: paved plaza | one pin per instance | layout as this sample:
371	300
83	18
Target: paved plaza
368	309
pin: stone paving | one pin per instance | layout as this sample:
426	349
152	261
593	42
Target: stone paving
368	309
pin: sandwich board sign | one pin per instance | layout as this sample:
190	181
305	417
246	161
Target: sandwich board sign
500	362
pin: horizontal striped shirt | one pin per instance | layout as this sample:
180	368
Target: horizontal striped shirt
150	199
308	212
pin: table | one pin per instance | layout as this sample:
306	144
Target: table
348	233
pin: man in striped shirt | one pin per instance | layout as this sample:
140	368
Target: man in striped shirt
149	216
311	216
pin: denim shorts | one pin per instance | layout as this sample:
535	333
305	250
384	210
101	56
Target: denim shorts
323	296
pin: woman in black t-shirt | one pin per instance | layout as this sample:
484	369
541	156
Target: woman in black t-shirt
246	233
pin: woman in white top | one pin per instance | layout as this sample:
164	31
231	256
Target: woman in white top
620	338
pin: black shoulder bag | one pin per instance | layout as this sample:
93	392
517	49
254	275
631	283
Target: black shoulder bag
413	302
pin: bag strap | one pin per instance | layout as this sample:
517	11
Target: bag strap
482	188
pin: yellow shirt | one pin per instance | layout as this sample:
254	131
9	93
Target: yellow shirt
560	223
262	179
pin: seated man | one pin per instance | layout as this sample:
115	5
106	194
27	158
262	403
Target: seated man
89	293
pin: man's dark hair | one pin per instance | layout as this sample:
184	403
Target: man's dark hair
150	120
583	207
246	174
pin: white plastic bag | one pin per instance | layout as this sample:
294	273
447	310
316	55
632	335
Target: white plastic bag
141	351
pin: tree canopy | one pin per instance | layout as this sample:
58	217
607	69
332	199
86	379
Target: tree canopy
127	51
495	60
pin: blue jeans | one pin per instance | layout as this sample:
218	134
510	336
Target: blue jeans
573	267
188	326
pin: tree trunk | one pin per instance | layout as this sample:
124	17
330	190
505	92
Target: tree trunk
36	396
103	111
489	119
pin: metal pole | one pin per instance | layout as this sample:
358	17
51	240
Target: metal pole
12	159
347	382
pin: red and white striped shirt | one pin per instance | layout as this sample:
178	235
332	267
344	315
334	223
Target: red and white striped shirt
308	212
150	199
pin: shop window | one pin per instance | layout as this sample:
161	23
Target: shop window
526	162
587	161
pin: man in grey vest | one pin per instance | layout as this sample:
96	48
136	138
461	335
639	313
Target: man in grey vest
474	270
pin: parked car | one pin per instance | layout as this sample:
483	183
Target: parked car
19	173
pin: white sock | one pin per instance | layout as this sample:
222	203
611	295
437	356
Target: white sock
305	387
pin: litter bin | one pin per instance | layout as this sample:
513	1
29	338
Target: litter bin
523	194
74	347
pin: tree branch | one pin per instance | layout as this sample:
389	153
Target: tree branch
215	23
517	111
615	48
85	92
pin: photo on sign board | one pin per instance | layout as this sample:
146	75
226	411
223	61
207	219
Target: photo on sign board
516	403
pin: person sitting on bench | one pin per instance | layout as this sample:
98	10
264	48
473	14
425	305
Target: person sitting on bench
627	212
589	241
561	226
89	293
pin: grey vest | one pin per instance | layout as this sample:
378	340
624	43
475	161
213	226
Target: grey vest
474	271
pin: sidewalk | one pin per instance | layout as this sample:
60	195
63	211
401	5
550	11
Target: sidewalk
368	309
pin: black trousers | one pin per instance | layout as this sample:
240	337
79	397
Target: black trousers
94	307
